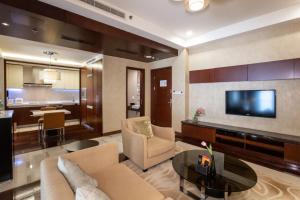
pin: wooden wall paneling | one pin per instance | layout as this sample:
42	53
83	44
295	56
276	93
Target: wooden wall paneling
277	70
202	76
97	82
231	74
83	98
297	68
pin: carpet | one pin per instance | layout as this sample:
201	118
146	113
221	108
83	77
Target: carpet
271	185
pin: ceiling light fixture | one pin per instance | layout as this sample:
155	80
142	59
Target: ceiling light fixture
5	24
194	5
189	33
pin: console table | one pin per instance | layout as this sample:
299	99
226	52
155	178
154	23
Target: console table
6	145
274	150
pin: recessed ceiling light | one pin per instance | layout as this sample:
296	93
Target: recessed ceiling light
5	24
189	33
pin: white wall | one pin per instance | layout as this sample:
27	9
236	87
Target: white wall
2	79
179	83
268	44
114	90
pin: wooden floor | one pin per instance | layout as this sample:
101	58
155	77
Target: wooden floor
28	141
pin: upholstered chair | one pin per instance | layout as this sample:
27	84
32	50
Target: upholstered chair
147	151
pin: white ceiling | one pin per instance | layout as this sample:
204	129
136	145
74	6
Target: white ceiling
25	50
166	21
172	16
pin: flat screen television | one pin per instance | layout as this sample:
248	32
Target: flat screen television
258	103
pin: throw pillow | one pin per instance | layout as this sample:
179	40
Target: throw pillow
90	192
74	175
144	127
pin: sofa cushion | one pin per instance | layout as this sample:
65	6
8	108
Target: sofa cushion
120	183
90	192
75	176
158	146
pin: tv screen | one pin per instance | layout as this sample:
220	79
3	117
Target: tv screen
259	103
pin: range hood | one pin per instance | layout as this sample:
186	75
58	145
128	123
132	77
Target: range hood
31	77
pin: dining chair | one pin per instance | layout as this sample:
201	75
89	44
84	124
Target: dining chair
41	119
54	121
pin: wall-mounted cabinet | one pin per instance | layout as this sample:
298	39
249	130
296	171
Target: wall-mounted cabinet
297	68
14	76
230	74
202	76
69	80
277	70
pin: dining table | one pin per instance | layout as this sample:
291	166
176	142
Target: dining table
41	113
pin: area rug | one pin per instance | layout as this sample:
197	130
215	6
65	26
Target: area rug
271	185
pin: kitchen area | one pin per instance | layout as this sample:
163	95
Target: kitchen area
31	87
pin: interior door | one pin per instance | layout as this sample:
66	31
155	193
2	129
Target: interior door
161	97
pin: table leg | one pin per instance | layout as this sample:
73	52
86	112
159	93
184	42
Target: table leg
226	197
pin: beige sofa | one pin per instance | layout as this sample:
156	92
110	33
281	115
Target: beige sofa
101	163
147	152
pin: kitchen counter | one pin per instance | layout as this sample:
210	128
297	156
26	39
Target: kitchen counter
42	103
6	114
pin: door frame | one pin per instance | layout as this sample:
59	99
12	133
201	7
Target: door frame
142	89
152	92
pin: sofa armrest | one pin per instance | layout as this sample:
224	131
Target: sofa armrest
164	132
135	146
53	183
93	159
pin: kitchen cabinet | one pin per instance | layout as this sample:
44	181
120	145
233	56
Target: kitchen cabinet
69	80
14	76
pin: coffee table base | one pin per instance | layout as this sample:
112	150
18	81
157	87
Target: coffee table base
196	197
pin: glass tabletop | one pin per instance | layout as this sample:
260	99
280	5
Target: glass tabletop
232	174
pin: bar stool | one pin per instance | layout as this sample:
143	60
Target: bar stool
54	121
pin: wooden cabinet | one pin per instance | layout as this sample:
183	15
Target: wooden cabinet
297	68
231	74
292	153
199	133
69	80
278	70
6	146
14	76
91	107
202	76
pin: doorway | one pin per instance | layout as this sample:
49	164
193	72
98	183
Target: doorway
135	92
161	97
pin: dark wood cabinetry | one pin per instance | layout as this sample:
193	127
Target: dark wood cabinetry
202	76
22	115
297	68
292	153
6	146
91	99
273	150
278	70
199	133
230	74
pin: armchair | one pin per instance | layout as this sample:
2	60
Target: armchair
147	152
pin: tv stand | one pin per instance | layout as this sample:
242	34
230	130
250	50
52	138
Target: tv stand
274	150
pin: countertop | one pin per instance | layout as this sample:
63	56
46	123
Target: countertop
41	103
6	114
283	137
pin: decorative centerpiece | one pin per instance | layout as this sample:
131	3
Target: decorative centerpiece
199	112
206	164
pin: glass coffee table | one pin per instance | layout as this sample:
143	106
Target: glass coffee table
232	175
79	145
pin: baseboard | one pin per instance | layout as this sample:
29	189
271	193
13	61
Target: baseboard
112	133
